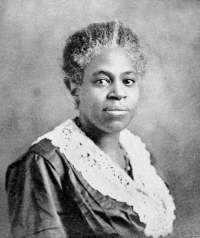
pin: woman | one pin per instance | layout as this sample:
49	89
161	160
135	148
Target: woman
90	176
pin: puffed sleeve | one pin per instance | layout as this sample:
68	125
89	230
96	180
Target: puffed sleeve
34	192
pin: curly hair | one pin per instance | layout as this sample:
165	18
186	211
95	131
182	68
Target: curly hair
83	45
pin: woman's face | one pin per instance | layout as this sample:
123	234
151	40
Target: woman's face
110	91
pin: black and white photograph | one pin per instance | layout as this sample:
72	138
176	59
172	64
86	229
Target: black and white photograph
100	119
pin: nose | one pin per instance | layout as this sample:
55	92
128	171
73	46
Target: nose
117	92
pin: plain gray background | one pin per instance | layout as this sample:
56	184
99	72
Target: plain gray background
33	98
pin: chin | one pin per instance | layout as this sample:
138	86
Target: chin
116	126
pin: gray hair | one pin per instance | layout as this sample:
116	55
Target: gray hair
83	45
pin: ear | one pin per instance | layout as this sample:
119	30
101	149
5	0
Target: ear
75	92
74	89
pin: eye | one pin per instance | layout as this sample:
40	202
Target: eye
102	81
129	81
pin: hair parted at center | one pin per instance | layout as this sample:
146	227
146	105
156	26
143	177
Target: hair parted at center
83	45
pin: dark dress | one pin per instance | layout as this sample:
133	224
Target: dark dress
47	197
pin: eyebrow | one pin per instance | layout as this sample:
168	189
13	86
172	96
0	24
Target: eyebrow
107	73
102	72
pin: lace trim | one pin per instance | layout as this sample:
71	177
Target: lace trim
147	194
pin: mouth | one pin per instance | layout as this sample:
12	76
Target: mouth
116	111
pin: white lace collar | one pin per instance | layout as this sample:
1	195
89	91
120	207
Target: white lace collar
147	194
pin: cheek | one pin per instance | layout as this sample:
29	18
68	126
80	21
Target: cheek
134	97
89	100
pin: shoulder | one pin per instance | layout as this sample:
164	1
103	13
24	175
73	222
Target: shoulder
46	150
43	152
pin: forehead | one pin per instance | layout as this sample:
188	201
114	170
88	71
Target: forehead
114	60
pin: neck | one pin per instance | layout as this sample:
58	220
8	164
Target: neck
108	142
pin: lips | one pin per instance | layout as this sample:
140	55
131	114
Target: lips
116	110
